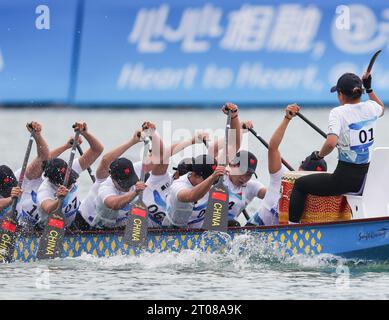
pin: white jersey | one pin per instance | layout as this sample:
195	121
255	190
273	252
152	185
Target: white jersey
106	217
28	211
71	203
27	207
267	213
355	124
184	214
240	197
88	207
155	197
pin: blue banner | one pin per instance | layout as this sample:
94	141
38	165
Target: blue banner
214	51
35	53
183	52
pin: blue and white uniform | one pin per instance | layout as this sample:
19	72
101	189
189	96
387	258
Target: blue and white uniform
184	214
93	209
106	217
71	203
240	197
355	126
28	207
155	198
267	213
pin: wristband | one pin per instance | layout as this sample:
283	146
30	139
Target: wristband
288	118
369	90
234	117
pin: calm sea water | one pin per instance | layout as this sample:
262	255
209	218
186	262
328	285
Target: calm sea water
258	273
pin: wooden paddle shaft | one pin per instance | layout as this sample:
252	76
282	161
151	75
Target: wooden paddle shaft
311	124
263	141
89	169
24	167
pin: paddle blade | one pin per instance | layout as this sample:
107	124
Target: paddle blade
135	233
216	214
372	60
51	242
8	229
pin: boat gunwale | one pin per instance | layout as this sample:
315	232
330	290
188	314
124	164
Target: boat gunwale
157	231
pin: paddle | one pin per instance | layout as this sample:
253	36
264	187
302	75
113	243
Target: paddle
263	141
51	242
316	128
312	125
216	213
372	60
89	169
135	233
9	224
246	215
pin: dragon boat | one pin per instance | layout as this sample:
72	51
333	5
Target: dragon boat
359	238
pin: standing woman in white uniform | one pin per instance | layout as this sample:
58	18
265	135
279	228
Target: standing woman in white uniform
54	172
27	207
351	129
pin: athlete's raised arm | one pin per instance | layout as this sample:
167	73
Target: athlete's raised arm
35	170
366	78
274	155
95	150
102	171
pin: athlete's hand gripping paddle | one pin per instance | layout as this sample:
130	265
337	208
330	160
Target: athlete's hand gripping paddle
51	242
135	233
216	213
372	60
79	149
316	128
8	227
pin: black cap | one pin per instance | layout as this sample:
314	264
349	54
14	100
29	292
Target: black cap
204	165
184	166
7	181
347	83
122	171
313	165
55	170
246	161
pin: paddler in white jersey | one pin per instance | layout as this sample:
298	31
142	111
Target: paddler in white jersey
351	129
54	173
267	213
160	180
188	196
241	188
27	207
107	203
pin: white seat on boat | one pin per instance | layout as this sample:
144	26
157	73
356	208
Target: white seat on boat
374	199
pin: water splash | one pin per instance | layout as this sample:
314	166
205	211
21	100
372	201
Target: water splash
245	252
